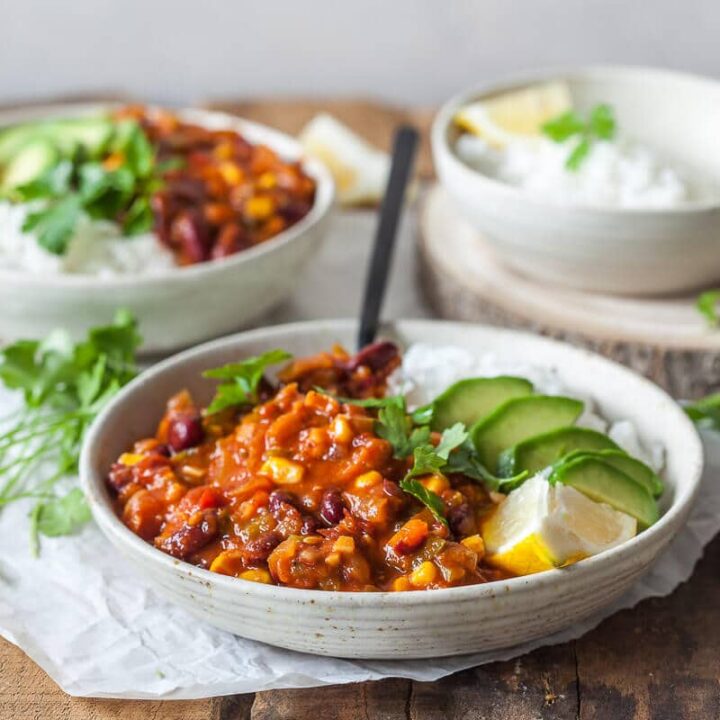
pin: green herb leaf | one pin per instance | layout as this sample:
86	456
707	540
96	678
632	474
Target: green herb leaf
451	438
139	217
244	378
707	306
428	498
563	126
602	122
52	184
63	515
705	413
55	224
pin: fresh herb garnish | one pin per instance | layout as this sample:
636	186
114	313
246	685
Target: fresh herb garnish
707	306
428	498
705	413
64	385
600	125
117	189
243	380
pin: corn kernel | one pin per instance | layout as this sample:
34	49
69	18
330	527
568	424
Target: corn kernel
130	459
312	540
341	430
475	543
231	173
344	544
423	575
267	181
368	479
228	562
401	584
333	559
283	471
436	483
258	208
256	575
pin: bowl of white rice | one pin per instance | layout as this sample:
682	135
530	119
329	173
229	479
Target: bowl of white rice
640	215
176	306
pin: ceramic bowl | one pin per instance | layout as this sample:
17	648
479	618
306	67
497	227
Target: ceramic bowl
412	624
595	248
181	306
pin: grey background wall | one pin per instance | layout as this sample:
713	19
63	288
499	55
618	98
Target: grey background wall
415	51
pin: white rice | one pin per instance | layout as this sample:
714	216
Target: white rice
96	248
427	370
614	173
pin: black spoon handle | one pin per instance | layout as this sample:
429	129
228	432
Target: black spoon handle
404	146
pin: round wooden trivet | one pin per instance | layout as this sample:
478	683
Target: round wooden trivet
665	339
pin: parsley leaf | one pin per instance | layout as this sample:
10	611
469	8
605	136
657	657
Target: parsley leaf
428	498
705	413
55	224
243	380
63	515
707	306
600	125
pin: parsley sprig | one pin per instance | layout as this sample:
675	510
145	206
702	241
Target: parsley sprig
64	386
600	125
242	380
705	413
81	185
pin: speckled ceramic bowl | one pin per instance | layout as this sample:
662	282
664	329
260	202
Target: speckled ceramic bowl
182	305
413	624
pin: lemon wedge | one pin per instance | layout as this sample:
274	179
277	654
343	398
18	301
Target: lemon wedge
360	171
541	526
500	119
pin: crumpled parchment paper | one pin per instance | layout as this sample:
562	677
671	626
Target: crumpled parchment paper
80	612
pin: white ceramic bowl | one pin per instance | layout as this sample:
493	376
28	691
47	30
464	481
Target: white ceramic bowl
604	249
413	624
181	306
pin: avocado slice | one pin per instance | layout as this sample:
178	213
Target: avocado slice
539	451
634	468
603	482
469	400
13	138
519	419
29	163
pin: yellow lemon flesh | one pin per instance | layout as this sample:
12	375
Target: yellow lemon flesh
360	171
541	526
500	119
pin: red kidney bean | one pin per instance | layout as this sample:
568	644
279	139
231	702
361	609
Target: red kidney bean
229	241
393	489
187	190
375	356
190	538
185	432
331	508
189	232
119	476
258	550
309	525
461	520
277	499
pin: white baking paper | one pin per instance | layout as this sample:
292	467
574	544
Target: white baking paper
81	613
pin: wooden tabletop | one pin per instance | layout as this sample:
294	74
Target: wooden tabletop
658	661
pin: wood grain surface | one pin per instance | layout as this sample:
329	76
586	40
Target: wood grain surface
659	661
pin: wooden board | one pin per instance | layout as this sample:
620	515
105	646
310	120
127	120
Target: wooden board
663	338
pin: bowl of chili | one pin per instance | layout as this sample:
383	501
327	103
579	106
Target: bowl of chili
155	477
222	215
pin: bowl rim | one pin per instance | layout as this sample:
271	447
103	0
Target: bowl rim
93	483
441	147
257	133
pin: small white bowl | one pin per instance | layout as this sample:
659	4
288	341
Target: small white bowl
180	306
603	249
413	624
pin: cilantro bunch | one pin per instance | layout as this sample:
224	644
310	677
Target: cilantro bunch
64	386
599	125
119	191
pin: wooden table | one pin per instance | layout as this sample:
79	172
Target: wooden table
659	661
